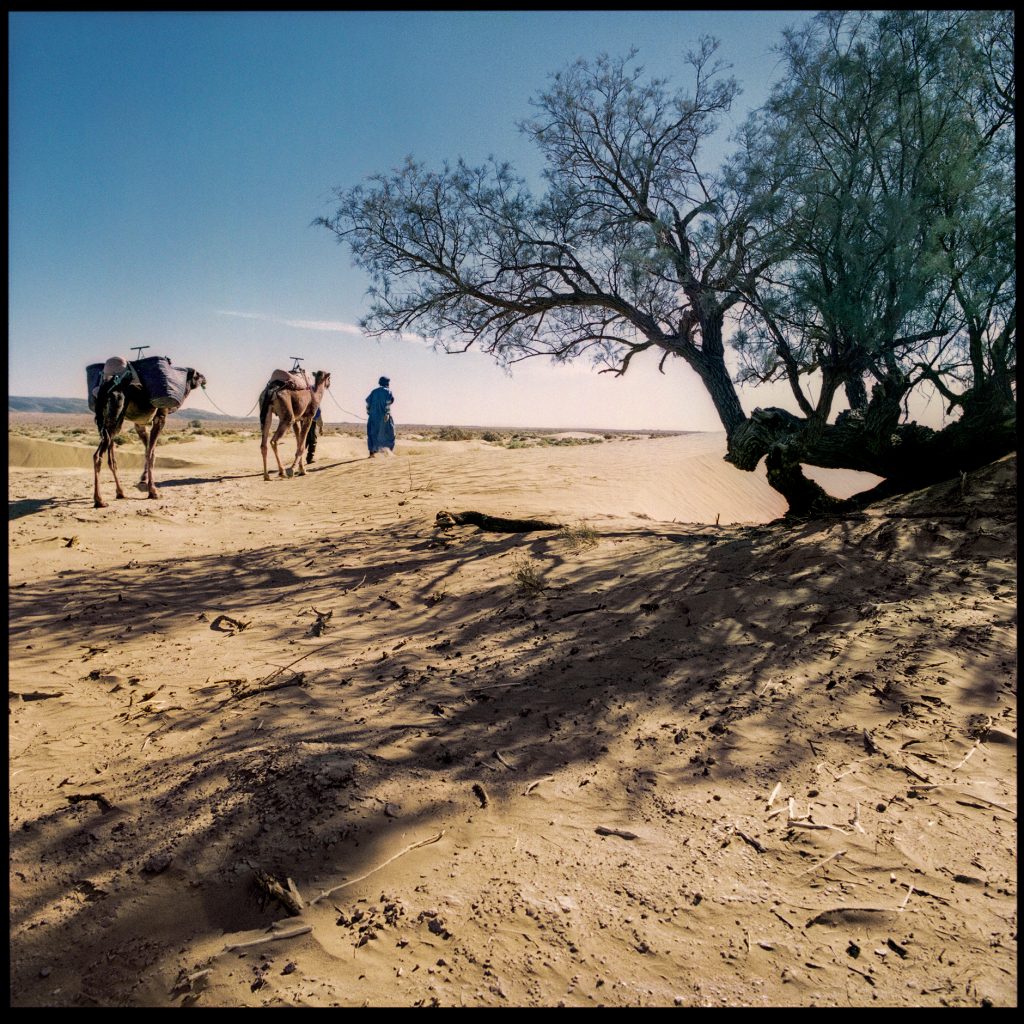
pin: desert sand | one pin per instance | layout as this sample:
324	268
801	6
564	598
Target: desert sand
287	744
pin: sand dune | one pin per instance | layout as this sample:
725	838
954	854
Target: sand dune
34	453
672	479
641	761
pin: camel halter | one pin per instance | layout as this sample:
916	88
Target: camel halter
347	412
217	407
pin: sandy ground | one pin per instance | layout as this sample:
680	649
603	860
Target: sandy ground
646	760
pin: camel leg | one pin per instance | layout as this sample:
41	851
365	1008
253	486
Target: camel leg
303	440
263	443
109	420
300	447
144	437
154	432
282	426
97	465
112	462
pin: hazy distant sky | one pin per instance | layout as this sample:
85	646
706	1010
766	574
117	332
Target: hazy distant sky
165	169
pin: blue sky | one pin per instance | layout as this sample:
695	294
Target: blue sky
164	170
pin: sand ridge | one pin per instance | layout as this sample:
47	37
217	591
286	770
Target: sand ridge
696	765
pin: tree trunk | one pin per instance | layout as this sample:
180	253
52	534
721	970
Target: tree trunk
908	456
709	362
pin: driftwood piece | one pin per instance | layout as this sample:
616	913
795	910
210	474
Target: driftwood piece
188	983
494	524
621	833
289	897
77	798
226	624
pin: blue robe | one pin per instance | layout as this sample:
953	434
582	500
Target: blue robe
380	427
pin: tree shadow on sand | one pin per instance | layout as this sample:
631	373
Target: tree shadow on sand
29	506
494	685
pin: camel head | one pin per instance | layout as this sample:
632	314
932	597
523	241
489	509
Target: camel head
322	377
195	379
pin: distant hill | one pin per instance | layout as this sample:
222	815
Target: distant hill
79	406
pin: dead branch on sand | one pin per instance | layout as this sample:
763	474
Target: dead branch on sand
401	853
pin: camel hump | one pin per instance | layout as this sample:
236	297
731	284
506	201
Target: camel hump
113	366
300	380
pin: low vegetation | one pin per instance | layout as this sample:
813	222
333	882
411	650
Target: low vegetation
526	575
579	536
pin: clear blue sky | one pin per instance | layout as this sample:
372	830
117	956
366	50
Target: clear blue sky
165	169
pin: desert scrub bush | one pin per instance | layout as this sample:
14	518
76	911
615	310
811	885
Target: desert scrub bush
493	436
520	441
579	536
569	440
454	434
526	575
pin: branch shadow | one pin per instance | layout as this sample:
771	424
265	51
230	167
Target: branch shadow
29	506
296	779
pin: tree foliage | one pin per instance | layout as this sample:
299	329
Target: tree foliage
892	229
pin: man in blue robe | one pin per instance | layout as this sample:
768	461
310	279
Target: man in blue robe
380	427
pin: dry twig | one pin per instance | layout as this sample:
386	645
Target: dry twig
906	899
270	938
749	841
533	785
401	853
821	863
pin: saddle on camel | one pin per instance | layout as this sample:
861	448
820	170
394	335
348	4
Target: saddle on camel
143	391
293	396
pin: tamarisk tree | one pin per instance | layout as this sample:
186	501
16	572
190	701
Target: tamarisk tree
632	247
875	259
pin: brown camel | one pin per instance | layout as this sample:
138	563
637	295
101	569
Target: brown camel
295	409
120	399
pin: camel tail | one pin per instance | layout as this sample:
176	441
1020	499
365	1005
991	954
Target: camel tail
266	397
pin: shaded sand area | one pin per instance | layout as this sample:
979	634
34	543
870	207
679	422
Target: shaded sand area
286	744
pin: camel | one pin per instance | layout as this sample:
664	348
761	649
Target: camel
120	399
295	409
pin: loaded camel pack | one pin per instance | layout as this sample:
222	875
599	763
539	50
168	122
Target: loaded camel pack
143	391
